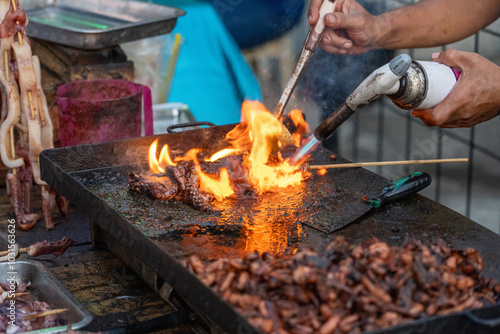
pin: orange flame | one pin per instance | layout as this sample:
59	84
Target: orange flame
165	157
219	187
302	127
158	166
261	135
154	165
221	154
322	171
261	131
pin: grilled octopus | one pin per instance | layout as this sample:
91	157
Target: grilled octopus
178	183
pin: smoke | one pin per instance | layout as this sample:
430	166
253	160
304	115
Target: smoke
329	79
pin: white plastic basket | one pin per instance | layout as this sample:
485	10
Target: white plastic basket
167	114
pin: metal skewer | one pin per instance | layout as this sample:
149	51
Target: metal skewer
310	46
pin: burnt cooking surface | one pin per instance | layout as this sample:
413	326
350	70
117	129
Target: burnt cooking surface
270	222
415	217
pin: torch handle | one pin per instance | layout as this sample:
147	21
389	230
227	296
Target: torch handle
316	32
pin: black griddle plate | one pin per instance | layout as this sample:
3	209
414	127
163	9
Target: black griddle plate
93	178
323	202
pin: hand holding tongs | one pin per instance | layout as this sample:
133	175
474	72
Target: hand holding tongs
311	44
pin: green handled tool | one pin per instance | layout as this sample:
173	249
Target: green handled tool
399	189
333	212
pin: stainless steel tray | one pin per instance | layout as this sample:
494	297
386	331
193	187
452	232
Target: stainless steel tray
94	24
48	289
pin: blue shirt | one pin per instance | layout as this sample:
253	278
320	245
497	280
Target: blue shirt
212	76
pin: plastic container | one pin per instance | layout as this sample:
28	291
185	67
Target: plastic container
147	56
154	60
96	111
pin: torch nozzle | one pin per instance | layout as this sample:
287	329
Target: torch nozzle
339	116
304	150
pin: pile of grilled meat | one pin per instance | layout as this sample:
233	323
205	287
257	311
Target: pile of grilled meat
350	288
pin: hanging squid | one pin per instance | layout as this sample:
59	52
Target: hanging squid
25	112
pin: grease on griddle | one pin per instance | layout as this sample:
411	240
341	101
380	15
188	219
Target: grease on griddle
265	223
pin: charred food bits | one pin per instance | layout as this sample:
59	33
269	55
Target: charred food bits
349	288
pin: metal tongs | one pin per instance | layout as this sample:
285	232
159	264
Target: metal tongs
310	46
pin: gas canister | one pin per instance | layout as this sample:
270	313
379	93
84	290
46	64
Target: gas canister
425	85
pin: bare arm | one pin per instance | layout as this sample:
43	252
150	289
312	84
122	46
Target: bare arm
435	22
424	24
